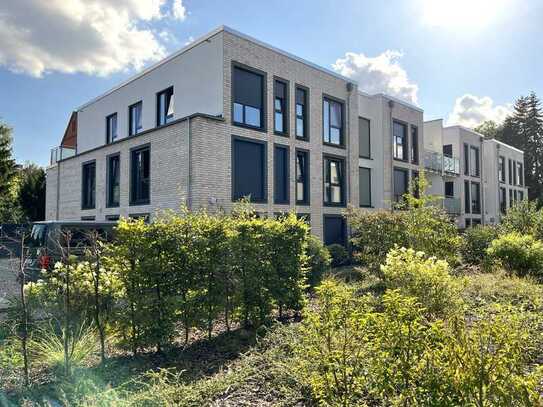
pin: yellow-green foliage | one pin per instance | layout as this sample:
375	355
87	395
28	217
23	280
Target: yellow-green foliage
475	241
521	254
426	279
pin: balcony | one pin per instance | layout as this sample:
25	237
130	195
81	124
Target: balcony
452	206
60	153
442	164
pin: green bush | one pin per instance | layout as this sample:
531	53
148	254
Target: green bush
339	255
475	242
521	254
426	279
524	218
319	261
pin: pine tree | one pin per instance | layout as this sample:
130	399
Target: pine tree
7	163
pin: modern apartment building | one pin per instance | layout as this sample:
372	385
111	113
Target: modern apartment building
229	116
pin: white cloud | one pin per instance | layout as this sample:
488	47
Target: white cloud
380	74
189	41
178	10
96	37
471	111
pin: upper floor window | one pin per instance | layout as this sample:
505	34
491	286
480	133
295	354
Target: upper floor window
281	175
474	161
467	197
248	98
301	113
449	189
165	106
466	159
280	107
113	180
475	198
332	122
88	197
364	186
111	128
414	145
510	165
333	181
520	174
302	177
501	169
448	150
364	143
140	173
134	119
515	177
399	139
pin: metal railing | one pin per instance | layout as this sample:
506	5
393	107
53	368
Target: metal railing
60	153
443	164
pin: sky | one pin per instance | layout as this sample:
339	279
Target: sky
465	61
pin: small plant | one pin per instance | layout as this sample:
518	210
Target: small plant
521	254
475	242
319	261
339	255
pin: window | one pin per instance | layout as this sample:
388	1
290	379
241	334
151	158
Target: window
475	222
111	128
468	223
399	135
333	181
140	170
301	113
112	218
332	122
448	150
503	199
306	217
334	230
401	184
414	145
449	189
520	180
88	218
88	198
364	179
248	170
137	216
164	106
474	161
475	198
248	98
280	106
467	199
364	144
281	175
302	177
515	195
515	179
510	165
466	159
113	180
501	169
134	119
511	202
415	184
520	195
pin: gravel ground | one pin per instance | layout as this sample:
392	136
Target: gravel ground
8	283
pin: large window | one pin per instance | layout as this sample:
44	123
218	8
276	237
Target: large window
248	170
332	122
520	174
399	139
111	128
281	175
248	98
301	113
401	184
414	145
280	107
165	106
88	197
520	195
501	169
467	199
134	119
510	165
474	161
466	159
364	141
503	200
515	179
113	180
140	172
364	187
449	189
334	230
302	177
475	198
511	201
334	169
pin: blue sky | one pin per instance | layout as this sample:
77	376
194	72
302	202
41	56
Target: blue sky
462	60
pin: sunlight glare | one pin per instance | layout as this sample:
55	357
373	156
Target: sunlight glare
462	13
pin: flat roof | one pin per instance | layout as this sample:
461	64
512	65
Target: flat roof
501	143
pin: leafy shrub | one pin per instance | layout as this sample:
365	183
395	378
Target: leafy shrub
339	255
475	242
524	218
318	261
517	253
426	279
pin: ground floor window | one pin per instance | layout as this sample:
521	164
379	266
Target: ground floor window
334	230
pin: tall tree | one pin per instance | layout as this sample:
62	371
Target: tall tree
488	128
31	195
7	163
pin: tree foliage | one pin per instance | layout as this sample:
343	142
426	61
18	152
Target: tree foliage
31	192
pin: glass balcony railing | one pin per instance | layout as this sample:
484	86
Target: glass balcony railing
451	165
452	206
60	153
443	164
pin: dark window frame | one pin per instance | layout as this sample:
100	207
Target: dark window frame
341	102
520	175
475	168
368	157
407	180
84	204
157	106
307	178
344	227
501	169
113	218
327	158
370	205
131	131
510	168
133	201
263	113
502	199
285	107
414	146
305	113
264	144
88	218
286	177
475	205
466	152
405	145
445	183
467	196
109	203
109	137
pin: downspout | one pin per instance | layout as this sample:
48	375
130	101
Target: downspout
189	172
348	121
483	183
390	138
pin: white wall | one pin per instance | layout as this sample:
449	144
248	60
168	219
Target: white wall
197	78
